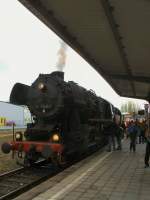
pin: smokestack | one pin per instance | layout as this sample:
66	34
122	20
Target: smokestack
58	74
61	56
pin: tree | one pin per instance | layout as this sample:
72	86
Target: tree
130	107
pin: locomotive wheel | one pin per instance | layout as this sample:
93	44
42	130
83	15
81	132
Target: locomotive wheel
61	160
29	160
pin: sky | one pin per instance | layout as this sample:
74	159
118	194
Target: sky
28	48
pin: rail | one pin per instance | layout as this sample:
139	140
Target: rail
6	128
16	182
20	180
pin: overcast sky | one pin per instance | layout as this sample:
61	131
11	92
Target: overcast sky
28	47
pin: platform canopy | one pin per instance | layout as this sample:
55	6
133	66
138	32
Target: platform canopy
112	35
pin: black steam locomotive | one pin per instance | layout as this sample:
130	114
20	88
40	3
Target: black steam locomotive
67	119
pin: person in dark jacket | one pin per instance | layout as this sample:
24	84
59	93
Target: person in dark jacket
132	132
147	152
142	126
110	132
119	136
123	126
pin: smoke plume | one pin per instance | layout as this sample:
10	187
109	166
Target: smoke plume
61	56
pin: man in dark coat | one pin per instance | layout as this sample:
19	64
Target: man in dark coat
110	131
119	136
147	152
132	132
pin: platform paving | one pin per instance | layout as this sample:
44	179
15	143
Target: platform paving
117	175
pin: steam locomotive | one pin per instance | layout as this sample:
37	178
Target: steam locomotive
67	119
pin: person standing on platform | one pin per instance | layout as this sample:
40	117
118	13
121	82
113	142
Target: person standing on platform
137	123
132	132
110	133
123	126
147	152
119	136
142	131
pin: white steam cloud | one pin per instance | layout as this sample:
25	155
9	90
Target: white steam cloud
61	56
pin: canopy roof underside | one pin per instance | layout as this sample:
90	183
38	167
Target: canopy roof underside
112	35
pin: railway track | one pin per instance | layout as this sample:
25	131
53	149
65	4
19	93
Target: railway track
20	180
16	182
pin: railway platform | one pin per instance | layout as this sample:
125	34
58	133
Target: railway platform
117	175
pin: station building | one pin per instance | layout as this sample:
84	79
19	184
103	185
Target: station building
10	113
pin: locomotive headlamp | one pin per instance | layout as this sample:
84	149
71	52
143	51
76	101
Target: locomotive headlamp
18	136
55	137
41	86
